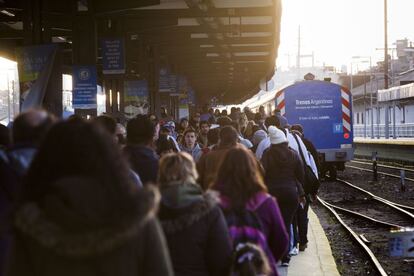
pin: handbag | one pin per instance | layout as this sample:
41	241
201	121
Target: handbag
312	184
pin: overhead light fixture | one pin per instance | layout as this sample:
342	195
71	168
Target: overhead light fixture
6	12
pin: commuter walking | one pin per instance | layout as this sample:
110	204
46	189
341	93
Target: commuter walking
284	176
210	163
243	193
28	131
189	144
141	135
80	214
193	223
202	135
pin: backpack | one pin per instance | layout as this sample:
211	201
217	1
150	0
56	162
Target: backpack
250	250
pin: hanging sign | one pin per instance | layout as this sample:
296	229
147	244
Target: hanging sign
113	59
84	87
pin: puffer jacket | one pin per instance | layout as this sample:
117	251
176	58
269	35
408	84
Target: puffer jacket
69	233
196	231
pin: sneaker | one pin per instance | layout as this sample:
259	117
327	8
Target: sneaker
302	247
285	264
294	251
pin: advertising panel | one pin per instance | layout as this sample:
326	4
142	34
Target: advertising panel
136	98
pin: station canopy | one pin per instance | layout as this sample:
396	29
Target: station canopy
225	48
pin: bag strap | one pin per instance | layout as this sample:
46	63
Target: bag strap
300	149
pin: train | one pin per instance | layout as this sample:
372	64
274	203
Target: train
324	109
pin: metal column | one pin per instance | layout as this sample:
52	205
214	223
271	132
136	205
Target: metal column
394	131
387	123
84	41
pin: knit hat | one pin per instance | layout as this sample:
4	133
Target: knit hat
169	125
276	135
258	136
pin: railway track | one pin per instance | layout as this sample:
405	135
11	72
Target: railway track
368	218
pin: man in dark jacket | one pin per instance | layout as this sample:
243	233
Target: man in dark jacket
141	133
28	130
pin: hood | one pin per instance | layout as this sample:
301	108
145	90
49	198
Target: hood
183	204
281	153
20	157
72	224
196	149
253	204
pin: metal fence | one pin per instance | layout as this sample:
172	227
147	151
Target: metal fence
401	130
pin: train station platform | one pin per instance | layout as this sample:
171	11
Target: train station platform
399	149
383	141
317	259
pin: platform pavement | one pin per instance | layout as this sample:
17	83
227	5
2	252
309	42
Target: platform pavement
383	141
392	150
317	259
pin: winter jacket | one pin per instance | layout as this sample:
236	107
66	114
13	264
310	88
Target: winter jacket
196	231
196	152
267	210
69	233
144	161
283	168
14	163
209	165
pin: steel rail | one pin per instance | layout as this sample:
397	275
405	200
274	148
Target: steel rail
362	244
359	215
383	173
380	199
383	166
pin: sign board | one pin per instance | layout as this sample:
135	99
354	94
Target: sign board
113	59
401	243
164	80
136	98
84	87
31	61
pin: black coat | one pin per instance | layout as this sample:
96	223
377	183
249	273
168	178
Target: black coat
144	161
283	168
196	231
68	235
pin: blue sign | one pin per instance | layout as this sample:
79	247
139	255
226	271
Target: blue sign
84	87
113	60
164	80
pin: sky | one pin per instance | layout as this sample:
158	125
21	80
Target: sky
337	30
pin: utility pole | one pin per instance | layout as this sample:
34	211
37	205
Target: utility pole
386	65
385	46
298	57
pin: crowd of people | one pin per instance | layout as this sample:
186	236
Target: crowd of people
214	194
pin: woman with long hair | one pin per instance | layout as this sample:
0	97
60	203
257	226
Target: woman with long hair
193	223
80	214
241	187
